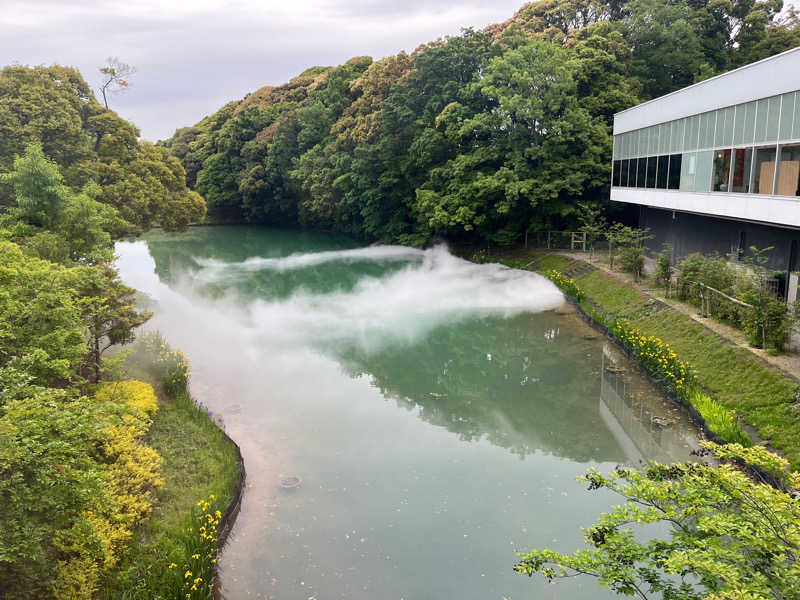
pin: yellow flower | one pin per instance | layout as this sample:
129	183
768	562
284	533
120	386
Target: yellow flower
172	565
187	574
195	556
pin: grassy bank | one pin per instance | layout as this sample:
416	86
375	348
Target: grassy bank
733	376
200	465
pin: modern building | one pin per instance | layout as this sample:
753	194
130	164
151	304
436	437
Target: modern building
715	167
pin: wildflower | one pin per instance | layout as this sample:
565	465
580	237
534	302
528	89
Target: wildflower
195	556
187	574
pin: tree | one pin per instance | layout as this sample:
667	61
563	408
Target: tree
732	536
38	187
116	75
108	312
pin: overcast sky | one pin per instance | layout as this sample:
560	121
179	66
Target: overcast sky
193	56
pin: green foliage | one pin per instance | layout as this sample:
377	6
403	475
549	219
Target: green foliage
52	112
664	266
729	536
723	423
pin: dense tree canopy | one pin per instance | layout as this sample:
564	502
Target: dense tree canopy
475	137
54	107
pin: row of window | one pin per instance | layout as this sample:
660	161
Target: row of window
767	170
761	121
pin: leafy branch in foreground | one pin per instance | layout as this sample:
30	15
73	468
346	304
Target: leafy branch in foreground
730	537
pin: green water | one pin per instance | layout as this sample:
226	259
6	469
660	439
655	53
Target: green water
436	412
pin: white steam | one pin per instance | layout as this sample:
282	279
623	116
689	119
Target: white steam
435	288
301	261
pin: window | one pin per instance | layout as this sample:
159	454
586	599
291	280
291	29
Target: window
722	171
688	169
623	176
787	116
796	120
661	178
706	135
674	181
651	172
788	181
615	173
705	168
690	140
641	169
742	160
764	170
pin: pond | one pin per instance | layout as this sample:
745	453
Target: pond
408	419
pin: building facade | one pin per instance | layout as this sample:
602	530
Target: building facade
715	167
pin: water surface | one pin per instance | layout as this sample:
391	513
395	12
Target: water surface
436	412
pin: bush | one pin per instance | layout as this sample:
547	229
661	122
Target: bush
632	260
170	368
663	261
768	323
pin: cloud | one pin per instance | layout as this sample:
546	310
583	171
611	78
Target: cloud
191	57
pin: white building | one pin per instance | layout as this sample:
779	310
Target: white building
715	167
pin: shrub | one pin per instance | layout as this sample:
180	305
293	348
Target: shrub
632	260
169	367
663	261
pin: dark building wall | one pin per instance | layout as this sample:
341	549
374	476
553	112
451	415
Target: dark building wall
708	235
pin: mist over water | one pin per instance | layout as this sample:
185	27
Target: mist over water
300	260
434	287
436	411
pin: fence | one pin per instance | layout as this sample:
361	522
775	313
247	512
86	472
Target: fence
558	240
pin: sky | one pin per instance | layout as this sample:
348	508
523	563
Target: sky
193	57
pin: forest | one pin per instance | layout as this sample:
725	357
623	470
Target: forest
475	138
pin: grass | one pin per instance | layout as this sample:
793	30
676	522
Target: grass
198	460
732	376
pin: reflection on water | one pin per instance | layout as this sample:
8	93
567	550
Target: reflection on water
435	412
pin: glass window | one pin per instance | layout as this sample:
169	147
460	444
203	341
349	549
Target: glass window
674	176
788	183
724	133
796	125
652	140
663	138
705	168
722	171
707	123
634	143
690	138
676	135
764	170
688	169
762	109
661	178
617	167
651	172
748	122
742	160
641	171
773	117
787	116
623	176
